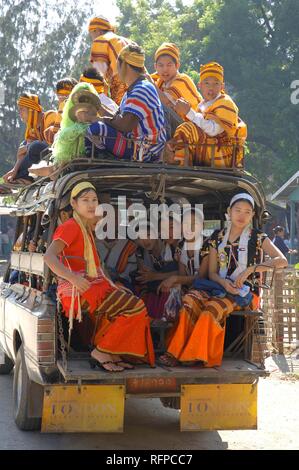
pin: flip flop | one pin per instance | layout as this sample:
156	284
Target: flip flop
94	363
168	360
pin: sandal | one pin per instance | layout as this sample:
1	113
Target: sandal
94	363
169	360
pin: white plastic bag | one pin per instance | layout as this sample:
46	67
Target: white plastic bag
172	305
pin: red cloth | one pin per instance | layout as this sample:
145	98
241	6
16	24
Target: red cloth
70	233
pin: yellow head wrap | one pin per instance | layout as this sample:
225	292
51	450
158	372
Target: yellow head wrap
65	90
32	103
100	22
86	231
80	187
136	59
98	84
212	69
168	48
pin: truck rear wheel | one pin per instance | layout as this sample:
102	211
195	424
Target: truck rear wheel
21	391
8	365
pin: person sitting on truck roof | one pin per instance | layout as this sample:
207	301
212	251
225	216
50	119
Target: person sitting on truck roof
235	255
64	88
36	120
137	130
214	130
170	82
121	322
106	45
40	132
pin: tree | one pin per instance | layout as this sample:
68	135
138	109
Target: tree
40	42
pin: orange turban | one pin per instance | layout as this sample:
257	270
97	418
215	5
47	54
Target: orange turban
32	103
212	69
168	48
134	58
99	22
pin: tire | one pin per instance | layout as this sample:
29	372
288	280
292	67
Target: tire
171	402
8	365
21	391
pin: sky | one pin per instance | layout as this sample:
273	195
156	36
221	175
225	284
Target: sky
109	9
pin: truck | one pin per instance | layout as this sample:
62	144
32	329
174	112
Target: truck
54	387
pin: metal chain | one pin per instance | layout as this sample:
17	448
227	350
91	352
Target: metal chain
157	190
61	339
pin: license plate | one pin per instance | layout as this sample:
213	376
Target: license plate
86	408
218	407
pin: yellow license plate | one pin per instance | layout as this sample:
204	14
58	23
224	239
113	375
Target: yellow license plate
88	408
218	406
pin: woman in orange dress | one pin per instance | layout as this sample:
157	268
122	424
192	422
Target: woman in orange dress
235	255
121	322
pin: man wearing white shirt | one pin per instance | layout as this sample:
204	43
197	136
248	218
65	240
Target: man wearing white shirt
214	135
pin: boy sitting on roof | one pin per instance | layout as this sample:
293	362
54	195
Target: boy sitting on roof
171	83
137	130
215	131
36	120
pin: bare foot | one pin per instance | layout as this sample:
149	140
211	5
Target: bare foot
106	360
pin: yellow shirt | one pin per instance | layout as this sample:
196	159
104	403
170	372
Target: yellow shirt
225	112
105	48
182	86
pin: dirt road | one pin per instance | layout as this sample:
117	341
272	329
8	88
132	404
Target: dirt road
150	426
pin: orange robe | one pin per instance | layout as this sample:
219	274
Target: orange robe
52	124
37	126
200	331
182	86
105	48
194	147
121	323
